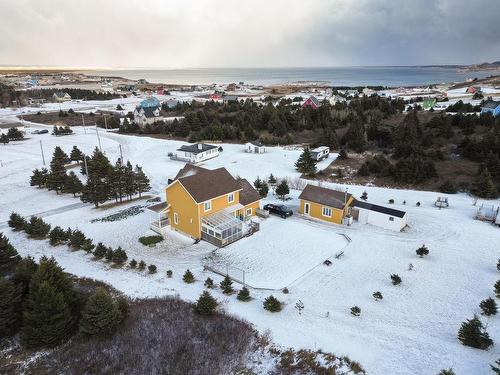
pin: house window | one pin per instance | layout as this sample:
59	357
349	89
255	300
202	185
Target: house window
327	211
207	206
391	218
230	197
176	218
249	211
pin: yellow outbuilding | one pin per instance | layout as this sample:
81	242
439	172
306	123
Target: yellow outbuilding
325	204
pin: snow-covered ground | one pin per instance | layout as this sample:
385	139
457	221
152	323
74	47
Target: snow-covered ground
411	331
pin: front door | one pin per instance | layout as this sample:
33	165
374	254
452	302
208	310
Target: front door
306	208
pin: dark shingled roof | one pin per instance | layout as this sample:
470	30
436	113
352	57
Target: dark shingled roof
194	148
158	207
149	112
381	209
492	104
324	196
257	143
204	184
248	194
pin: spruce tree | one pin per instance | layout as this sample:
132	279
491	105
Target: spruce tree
206	304
263	190
282	190
130	181
472	333
209	283
152	268
422	250
17	222
378	296
484	186
496	368
243	294
119	256
117	181
364	196
356	311
73	185
188	277
37	228
100	251
272	304
57	236
141	265
87	245
9	257
133	264
257	183
488	307
271	179
23	273
76	155
447	372
497	289
47	317
100	315
226	285
109	254
498	265
306	164
141	181
57	176
77	239
95	191
4	138
396	280
39	177
10	307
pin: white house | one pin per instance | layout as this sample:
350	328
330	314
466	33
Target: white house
336	99
195	153
61	96
320	153
380	216
255	147
146	115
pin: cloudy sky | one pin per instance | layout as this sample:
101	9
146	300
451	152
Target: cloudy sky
249	33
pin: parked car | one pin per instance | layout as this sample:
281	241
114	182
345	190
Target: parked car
43	131
278	209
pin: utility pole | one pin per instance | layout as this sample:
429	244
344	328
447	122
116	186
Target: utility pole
20	112
43	156
83	123
98	138
121	152
105	122
86	167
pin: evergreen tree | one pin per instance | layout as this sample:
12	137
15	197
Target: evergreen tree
25	269
306	164
141	181
484	186
95	191
243	294
57	176
356	311
488	306
37	228
39	177
87	245
109	254
396	280
227	285
272	304
497	289
152	268
141	265
342	154
10	307
206	304
498	265
364	196
77	239
209	283
378	296
100	251
271	179
9	257
355	137
57	236
119	256
73	185
130	181
17	222
76	155
263	190
472	333
188	277
47	317
133	264
14	134
100	315
4	138
117	180
447	372
422	250
282	190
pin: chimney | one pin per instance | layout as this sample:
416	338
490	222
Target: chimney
200	146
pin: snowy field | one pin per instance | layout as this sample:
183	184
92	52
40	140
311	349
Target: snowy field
411	331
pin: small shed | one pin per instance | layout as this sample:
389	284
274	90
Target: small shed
320	153
255	147
380	216
487	213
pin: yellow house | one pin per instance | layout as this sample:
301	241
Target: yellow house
210	204
325	204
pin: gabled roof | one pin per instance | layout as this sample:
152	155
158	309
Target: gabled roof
158	207
205	184
314	100
248	194
257	143
230	98
149	112
324	196
492	104
195	149
380	209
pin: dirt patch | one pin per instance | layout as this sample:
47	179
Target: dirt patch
71	119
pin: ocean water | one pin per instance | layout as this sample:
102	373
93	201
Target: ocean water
349	76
